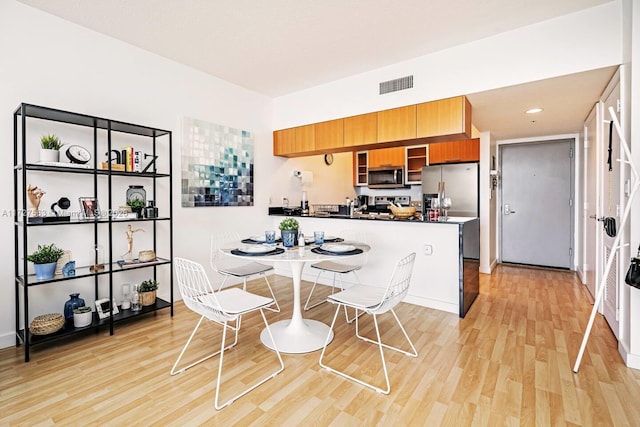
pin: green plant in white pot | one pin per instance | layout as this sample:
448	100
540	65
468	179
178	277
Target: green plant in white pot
44	260
289	232
82	316
50	148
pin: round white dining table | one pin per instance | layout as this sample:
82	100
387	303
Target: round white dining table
297	335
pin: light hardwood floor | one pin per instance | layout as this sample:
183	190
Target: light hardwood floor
509	362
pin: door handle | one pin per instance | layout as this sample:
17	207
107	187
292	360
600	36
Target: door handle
507	209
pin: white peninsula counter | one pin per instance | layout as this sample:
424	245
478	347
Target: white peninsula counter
446	271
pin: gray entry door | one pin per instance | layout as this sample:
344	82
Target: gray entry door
536	215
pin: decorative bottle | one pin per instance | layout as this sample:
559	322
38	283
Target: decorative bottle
135	299
74	302
301	241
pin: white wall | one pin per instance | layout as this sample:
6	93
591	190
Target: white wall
51	62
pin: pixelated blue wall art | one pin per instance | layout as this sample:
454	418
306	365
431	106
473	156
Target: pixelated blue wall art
217	165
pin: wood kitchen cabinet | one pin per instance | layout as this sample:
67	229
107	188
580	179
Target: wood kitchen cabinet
329	134
416	157
397	124
451	116
386	157
294	141
361	130
455	151
360	168
284	141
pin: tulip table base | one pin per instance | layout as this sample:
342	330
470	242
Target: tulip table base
297	335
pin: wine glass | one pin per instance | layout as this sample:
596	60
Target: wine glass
446	205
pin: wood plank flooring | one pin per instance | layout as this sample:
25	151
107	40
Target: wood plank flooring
509	362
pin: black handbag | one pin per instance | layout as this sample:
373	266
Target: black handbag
633	274
609	226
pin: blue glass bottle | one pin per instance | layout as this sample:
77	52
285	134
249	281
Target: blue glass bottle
74	302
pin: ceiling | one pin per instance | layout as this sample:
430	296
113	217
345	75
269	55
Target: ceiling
281	46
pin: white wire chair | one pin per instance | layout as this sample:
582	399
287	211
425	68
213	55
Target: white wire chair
233	267
338	269
375	301
219	307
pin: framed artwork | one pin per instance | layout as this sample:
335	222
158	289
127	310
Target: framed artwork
103	307
217	165
89	208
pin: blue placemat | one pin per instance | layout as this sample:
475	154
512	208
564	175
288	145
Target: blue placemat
275	251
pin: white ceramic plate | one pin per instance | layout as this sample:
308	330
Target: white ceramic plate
255	249
258	238
337	248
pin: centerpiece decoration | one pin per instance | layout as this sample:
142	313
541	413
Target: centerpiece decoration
289	232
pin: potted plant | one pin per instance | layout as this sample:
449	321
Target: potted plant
50	148
44	260
289	232
82	316
147	291
136	206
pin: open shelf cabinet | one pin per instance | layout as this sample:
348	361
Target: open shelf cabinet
100	137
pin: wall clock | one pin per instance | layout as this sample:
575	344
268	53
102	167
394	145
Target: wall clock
78	154
328	159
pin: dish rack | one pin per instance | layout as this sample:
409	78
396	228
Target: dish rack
328	210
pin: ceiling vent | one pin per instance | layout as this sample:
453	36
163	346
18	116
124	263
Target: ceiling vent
395	85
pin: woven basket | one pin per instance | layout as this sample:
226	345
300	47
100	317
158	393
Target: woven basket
147	298
403	212
46	324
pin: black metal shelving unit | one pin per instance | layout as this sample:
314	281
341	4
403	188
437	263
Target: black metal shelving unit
161	141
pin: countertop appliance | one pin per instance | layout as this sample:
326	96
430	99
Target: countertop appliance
460	184
386	177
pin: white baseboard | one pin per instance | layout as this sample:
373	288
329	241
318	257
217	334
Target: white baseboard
8	339
630	359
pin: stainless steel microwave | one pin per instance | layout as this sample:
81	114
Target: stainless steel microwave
386	177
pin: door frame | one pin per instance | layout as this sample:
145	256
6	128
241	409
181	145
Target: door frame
574	188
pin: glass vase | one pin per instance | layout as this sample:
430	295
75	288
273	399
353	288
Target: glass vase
74	302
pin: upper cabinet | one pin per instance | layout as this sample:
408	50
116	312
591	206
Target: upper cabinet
284	142
397	124
416	157
442	120
455	151
361	130
444	117
386	157
292	142
329	135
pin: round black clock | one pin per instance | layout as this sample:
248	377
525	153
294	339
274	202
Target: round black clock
78	154
136	192
328	159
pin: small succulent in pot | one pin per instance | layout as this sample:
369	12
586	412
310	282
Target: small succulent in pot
288	224
45	254
83	309
148	286
50	142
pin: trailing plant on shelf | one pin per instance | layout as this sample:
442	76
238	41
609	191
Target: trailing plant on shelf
50	142
288	224
45	254
148	286
136	206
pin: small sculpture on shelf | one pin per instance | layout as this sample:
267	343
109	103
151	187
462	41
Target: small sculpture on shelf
34	194
129	233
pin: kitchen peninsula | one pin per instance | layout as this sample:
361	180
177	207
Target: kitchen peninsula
445	276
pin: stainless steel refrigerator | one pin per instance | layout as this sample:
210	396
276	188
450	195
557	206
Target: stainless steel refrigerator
460	184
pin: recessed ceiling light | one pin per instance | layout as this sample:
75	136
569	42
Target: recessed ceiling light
533	110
